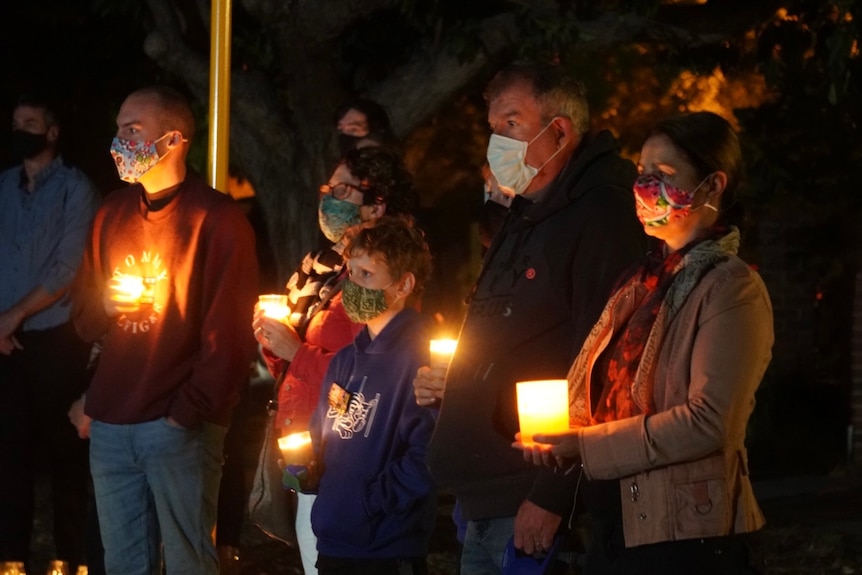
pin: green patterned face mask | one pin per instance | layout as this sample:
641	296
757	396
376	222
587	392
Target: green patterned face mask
362	304
336	216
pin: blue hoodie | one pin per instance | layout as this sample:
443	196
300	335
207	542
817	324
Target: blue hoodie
376	498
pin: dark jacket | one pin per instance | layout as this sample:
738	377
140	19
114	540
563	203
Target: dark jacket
544	281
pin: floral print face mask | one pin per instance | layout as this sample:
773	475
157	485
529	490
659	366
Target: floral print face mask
659	203
134	159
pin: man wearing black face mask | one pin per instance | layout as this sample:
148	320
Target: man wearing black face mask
46	209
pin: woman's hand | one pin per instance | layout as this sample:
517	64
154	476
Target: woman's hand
551	449
280	338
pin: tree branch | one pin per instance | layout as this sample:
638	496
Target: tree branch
321	21
419	87
165	46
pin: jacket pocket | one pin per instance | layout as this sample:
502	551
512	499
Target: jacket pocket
701	499
339	514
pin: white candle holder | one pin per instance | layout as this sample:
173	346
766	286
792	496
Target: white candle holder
543	407
274	306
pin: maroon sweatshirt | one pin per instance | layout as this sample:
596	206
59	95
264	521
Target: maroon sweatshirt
186	353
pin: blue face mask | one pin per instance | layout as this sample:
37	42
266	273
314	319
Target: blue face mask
336	216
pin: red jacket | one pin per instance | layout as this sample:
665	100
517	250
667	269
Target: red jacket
328	331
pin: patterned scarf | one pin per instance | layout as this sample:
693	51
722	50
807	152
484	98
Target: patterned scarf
312	285
666	283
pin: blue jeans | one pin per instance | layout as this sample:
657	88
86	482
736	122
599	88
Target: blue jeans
156	479
484	544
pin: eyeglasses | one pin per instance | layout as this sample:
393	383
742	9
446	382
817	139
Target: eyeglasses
339	190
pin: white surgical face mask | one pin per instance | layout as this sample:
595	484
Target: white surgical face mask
507	159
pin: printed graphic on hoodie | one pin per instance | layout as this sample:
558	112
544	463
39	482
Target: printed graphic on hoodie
351	412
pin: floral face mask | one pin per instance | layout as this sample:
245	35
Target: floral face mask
659	203
134	159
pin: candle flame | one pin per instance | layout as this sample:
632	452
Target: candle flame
442	351
444	346
129	287
274	306
294	441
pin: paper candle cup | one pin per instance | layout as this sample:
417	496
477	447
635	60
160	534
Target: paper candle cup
296	448
274	306
543	407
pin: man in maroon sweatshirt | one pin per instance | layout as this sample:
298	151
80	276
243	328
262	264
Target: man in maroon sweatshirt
167	285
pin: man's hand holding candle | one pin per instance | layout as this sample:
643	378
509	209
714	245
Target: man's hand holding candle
123	294
430	382
429	385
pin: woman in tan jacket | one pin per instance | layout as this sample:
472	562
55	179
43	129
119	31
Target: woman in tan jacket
662	390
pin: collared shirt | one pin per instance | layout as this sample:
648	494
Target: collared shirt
42	236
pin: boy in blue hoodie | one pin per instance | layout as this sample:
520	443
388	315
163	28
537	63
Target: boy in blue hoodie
375	507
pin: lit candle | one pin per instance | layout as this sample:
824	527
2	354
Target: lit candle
543	407
296	448
442	351
274	306
127	291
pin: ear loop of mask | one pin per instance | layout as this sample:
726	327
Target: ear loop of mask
706	204
545	163
183	139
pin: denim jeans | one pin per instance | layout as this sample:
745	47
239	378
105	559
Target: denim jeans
156	479
484	544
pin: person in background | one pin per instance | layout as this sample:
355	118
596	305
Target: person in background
368	183
168	279
663	387
46	208
362	122
571	230
375	508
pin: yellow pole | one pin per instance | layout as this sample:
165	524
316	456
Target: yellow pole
219	110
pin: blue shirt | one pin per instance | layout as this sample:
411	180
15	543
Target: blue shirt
42	236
